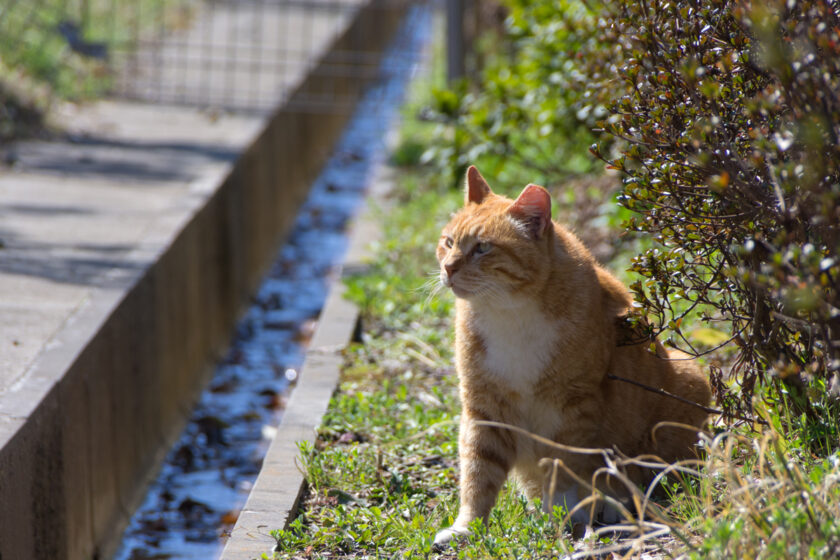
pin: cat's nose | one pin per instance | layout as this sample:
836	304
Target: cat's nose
451	267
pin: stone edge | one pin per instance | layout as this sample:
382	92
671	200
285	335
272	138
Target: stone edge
274	499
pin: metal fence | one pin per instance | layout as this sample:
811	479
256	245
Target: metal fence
245	55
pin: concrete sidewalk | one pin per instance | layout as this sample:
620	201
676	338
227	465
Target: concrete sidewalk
90	389
88	215
128	249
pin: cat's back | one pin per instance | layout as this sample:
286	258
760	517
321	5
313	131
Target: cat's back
643	419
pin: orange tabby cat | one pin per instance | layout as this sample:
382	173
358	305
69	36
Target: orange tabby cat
536	335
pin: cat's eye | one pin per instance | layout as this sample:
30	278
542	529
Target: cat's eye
449	242
482	248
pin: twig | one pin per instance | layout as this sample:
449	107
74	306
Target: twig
665	393
545	441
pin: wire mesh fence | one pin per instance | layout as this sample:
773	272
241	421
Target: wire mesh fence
245	55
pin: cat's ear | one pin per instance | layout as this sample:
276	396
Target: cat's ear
533	210
477	188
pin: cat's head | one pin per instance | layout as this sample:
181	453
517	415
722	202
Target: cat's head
495	247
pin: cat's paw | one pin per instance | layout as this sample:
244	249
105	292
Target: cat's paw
446	536
582	531
611	515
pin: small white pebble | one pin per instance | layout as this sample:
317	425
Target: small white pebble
268	432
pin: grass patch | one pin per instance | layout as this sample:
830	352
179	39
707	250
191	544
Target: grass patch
33	44
382	476
58	50
761	496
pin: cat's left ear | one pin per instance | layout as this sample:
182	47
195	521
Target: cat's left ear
477	188
533	210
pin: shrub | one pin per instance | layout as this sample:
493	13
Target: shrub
730	115
528	119
723	117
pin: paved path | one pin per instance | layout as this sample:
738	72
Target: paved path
89	211
128	246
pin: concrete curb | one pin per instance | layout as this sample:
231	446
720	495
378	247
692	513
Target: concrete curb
274	500
85	429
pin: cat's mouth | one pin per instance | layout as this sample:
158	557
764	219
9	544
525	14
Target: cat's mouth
458	291
448	282
461	293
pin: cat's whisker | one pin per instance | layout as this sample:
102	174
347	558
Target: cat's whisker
432	281
429	285
432	276
433	290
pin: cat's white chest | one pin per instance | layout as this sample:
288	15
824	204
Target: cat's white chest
519	344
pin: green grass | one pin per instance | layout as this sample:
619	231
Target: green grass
32	46
38	67
36	61
762	495
382	477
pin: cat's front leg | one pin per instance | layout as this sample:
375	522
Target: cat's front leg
486	455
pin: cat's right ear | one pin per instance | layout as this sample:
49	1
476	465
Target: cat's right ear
532	210
477	188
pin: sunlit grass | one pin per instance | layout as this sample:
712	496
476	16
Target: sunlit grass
44	41
382	477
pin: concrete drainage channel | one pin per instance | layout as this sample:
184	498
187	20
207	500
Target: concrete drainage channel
83	422
210	471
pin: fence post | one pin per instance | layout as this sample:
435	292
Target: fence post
455	52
